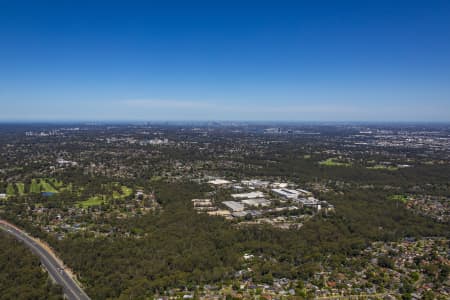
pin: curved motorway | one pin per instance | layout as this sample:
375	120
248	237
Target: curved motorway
71	289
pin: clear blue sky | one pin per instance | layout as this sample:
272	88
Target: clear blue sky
225	60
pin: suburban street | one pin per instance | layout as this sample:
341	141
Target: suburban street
71	289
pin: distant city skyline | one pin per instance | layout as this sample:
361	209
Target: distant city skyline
285	61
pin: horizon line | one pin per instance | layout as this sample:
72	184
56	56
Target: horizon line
117	121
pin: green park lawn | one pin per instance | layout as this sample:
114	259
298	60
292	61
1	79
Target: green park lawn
56	183
20	188
47	187
100	199
333	162
124	192
67	188
401	198
383	167
10	191
155	178
35	187
41	186
92	201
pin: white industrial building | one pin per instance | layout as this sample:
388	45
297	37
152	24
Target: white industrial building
257	202
286	193
221	213
304	192
279	185
219	182
233	205
248	195
256	183
311	202
201	202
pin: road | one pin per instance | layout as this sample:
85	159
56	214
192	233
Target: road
56	270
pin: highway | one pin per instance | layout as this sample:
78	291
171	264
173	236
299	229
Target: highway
56	270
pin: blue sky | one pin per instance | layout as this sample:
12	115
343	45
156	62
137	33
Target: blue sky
225	60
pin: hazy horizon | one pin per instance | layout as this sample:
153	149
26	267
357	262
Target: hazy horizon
330	62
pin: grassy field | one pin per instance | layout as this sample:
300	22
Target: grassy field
93	201
125	192
57	184
20	188
67	188
100	199
47	187
35	187
42	186
333	162
10	191
155	178
401	198
383	167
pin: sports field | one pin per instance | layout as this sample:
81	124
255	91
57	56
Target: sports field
333	162
93	201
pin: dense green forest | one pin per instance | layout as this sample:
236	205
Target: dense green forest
22	276
181	248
